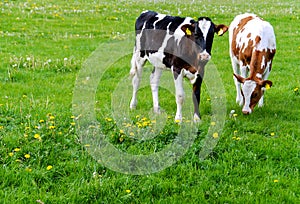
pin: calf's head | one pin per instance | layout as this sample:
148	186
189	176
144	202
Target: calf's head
252	90
202	34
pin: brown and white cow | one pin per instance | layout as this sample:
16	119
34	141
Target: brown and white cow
252	48
179	44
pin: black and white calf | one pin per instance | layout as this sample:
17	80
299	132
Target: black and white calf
180	44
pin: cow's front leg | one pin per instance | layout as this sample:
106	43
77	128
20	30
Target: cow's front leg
154	82
239	98
178	79
196	98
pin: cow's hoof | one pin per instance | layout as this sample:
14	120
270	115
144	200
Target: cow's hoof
197	119
157	110
178	119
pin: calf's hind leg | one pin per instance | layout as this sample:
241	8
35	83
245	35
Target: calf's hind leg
136	71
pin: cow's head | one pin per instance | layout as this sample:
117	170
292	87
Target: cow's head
202	33
252	91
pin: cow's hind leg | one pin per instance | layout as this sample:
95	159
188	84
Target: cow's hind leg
136	70
154	82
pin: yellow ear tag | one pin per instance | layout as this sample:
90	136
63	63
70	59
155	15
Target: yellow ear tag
267	86
188	32
220	32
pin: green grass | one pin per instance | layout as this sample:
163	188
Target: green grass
43	46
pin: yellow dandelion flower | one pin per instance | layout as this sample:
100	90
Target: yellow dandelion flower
272	134
215	135
18	160
213	123
144	119
296	89
1	127
128	191
121	131
87	145
42	121
51	117
11	154
17	149
127	125
28	169
108	119
27	128
235	115
51	127
37	136
234	132
177	121
131	133
73	124
137	116
121	139
49	167
146	123
73	117
276	181
27	156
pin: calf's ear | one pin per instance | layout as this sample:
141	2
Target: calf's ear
221	29
188	29
266	84
239	78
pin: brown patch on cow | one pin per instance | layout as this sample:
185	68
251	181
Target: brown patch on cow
257	40
238	29
257	65
245	55
255	96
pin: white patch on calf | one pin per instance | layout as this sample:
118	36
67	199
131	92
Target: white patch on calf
248	89
192	77
258	75
204	26
156	59
160	17
179	34
263	63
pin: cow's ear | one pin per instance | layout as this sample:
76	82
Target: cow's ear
221	29
266	84
239	78
188	29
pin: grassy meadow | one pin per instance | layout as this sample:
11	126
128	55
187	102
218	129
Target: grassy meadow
43	47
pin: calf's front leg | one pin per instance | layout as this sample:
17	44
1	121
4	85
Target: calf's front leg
196	98
178	80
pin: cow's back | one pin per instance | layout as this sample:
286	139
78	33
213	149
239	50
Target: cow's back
152	20
247	34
